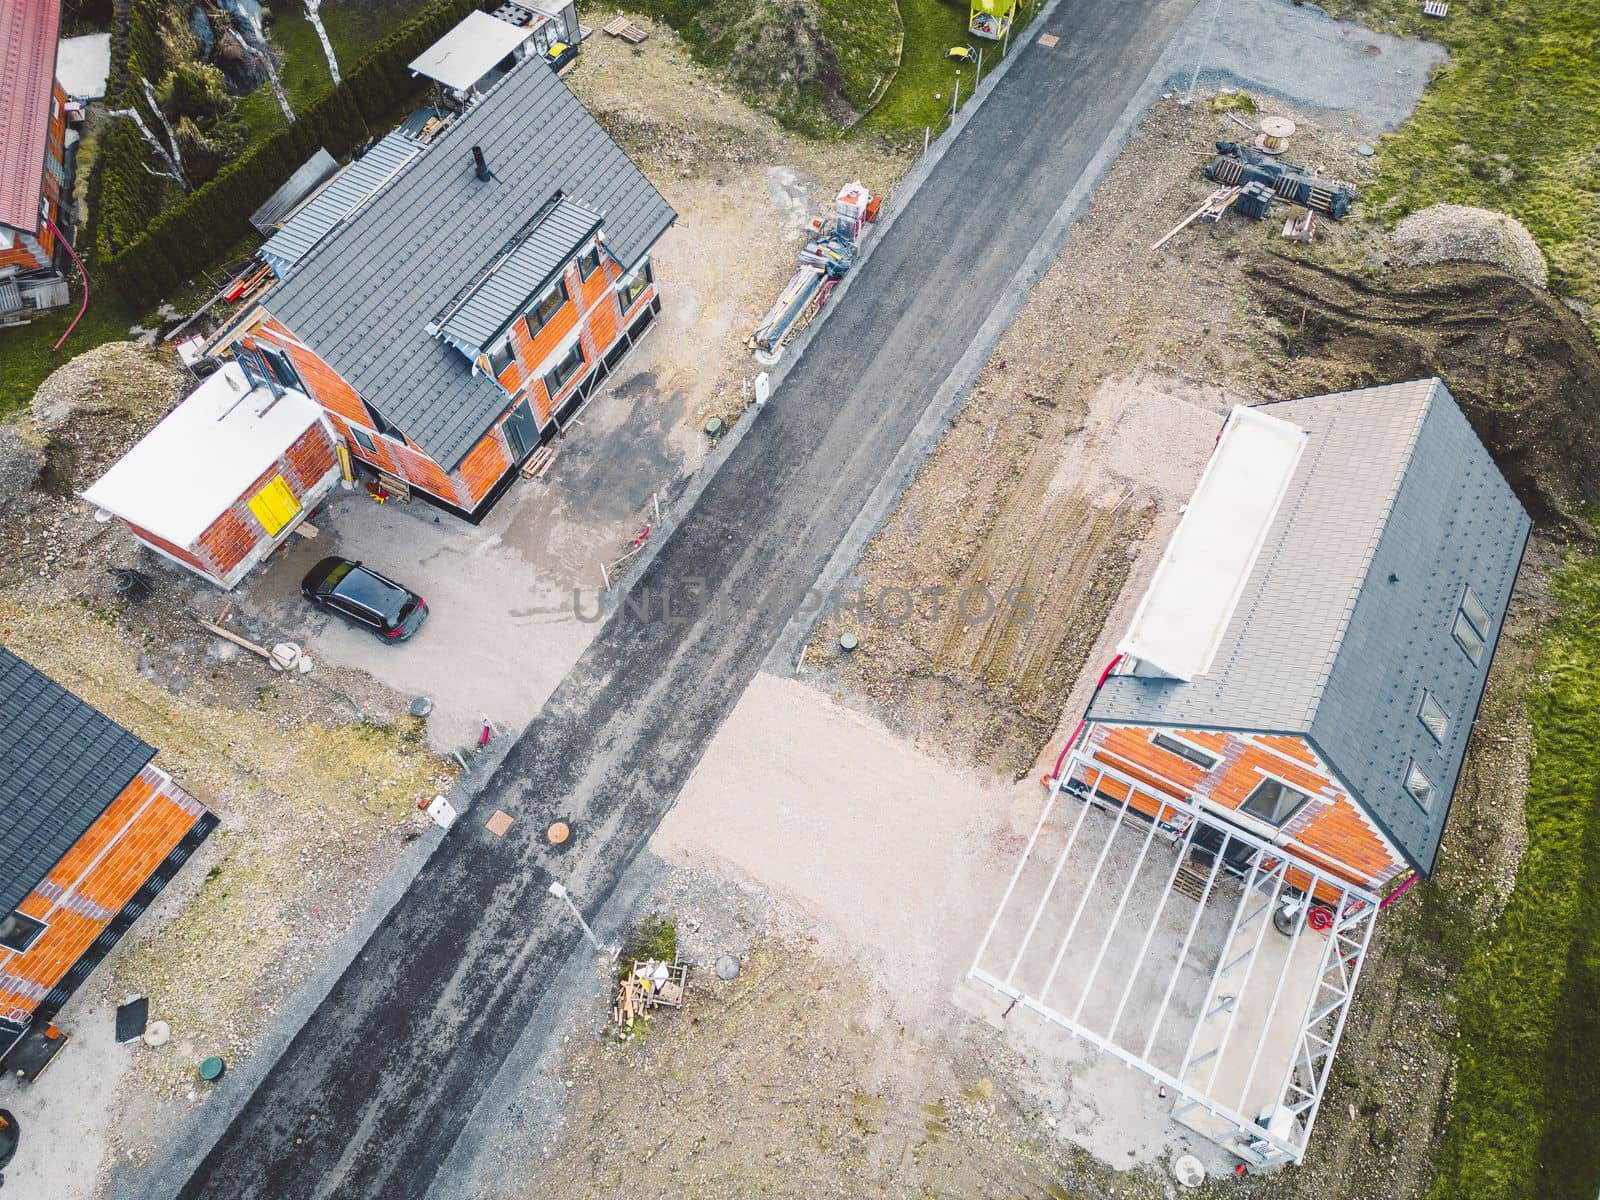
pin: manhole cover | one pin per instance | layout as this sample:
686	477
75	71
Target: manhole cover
848	642
1189	1171
499	823
211	1069
558	832
727	966
421	706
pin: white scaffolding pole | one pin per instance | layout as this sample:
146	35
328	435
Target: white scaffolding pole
1116	917
1155	921
1277	996
1265	915
1055	875
1088	890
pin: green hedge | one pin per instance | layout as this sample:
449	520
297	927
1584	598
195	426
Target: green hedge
207	223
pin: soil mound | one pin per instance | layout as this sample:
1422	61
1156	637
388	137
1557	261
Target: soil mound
1456	233
1523	367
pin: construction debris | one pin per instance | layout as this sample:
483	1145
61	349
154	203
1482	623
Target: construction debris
1212	209
1238	164
650	984
1435	8
1300	227
824	260
540	461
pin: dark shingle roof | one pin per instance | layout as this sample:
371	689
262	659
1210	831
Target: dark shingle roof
364	298
1346	616
490	303
61	765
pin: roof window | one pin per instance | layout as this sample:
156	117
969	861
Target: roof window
1433	717
1471	628
1201	758
1419	786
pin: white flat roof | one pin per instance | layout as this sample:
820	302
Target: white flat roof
83	64
197	463
1182	617
469	51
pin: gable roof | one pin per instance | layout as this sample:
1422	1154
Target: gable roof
61	765
1346	617
521	270
363	300
28	31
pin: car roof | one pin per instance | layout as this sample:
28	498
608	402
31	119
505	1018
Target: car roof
371	590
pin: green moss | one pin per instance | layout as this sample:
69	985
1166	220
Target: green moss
655	937
1525	1116
1510	124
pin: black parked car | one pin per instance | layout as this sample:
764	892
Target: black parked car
363	597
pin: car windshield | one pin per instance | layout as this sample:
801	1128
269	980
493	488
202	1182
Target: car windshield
366	589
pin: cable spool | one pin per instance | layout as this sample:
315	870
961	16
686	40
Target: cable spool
1275	134
1320	918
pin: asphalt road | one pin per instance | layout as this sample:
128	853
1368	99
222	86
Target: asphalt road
370	1096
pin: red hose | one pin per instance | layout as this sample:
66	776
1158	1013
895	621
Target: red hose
1405	887
84	275
1071	741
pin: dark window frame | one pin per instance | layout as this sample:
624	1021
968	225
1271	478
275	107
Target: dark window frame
363	439
565	370
34	929
1199	756
628	295
281	368
1280	819
588	262
505	353
546	306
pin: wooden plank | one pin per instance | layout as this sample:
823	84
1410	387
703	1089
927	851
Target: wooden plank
229	635
306	529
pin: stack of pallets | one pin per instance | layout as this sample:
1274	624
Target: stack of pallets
628	31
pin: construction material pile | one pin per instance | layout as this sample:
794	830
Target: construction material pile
1457	233
650	984
1262	178
824	260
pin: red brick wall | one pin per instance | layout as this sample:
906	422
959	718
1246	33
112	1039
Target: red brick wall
237	533
1329	824
94	880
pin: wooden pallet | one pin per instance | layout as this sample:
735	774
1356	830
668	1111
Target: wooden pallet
540	462
628	31
1192	883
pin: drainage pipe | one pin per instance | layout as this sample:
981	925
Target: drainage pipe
1055	773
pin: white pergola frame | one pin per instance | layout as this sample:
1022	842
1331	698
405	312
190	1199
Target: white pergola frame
1269	866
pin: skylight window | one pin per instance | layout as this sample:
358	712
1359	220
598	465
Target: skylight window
1434	718
1471	629
1419	786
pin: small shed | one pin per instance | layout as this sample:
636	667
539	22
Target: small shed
225	477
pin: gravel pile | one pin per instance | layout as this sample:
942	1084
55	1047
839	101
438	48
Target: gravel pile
1456	233
117	375
20	460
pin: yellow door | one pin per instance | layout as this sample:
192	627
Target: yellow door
275	506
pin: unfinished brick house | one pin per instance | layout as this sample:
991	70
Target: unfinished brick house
90	832
1275	745
455	294
33	156
227	475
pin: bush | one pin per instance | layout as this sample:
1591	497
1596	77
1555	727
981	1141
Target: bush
196	230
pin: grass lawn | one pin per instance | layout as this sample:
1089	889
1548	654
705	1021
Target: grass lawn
25	354
1525	1115
354	26
921	91
1511	124
304	73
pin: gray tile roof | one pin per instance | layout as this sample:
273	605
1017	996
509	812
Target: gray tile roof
520	271
363	301
1346	617
61	765
350	189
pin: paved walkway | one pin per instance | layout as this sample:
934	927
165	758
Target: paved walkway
371	1095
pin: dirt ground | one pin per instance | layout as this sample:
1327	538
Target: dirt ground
1083	435
744	189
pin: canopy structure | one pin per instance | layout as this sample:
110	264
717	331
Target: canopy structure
469	51
1156	942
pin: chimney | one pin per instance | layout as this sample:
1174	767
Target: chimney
482	166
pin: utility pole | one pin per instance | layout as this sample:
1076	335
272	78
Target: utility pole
955	98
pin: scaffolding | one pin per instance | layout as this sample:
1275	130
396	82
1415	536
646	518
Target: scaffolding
1239	1023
